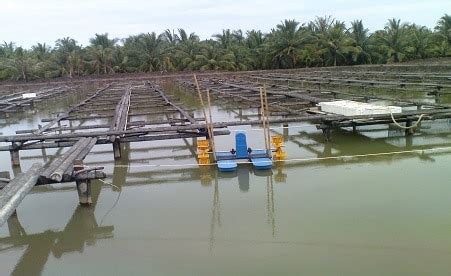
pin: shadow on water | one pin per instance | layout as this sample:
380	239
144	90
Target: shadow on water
81	230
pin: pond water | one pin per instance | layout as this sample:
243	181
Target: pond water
387	213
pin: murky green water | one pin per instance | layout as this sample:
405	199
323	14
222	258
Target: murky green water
367	215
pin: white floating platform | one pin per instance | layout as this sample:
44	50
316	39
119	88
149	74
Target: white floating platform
28	95
352	108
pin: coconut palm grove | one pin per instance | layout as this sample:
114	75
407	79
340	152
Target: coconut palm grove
291	44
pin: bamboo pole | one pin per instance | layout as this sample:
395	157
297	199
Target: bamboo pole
263	117
213	147
16	190
203	107
265	95
82	148
59	160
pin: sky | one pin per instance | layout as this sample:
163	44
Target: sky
27	22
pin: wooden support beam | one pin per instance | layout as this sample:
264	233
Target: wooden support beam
15	157
117	149
83	186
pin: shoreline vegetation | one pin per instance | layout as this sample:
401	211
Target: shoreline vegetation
290	44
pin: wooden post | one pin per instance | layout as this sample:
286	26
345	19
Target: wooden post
437	97
15	157
117	149
409	131
83	186
419	107
286	132
409	141
44	155
16	170
59	126
327	151
326	133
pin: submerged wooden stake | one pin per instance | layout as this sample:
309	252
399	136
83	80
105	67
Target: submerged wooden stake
83	186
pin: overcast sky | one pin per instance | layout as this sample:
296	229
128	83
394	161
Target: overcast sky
27	22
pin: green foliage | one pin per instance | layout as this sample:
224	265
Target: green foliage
321	42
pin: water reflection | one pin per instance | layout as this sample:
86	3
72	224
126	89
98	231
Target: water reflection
81	230
270	205
215	215
367	143
243	177
121	167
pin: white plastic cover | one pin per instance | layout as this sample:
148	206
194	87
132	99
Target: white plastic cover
352	108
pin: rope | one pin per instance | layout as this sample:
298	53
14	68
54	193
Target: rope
111	184
115	202
421	151
404	127
272	128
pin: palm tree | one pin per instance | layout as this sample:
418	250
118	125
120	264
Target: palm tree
255	43
321	24
323	41
225	39
360	39
212	57
254	39
238	37
335	45
145	52
187	50
284	44
17	63
101	59
169	37
103	40
444	27
67	57
42	54
183	36
101	53
41	51
394	40
441	45
419	37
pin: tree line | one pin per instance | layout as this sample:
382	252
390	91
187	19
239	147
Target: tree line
324	41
